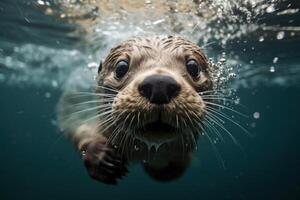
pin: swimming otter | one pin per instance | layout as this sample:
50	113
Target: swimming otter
149	109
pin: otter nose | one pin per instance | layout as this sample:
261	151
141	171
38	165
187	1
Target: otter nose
159	89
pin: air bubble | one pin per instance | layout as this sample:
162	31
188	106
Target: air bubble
40	2
158	21
280	35
237	101
92	65
275	60
261	39
53	122
54	83
232	75
256	115
223	60
270	9
47	95
272	69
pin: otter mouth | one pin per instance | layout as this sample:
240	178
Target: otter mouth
158	126
156	131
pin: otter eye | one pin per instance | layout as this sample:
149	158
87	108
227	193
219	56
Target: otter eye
121	69
193	68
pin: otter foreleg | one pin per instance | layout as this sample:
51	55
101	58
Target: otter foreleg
101	160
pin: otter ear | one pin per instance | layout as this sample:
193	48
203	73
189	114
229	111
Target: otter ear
100	67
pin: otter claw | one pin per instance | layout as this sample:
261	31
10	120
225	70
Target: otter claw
102	162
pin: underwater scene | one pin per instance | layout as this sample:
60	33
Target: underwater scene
247	145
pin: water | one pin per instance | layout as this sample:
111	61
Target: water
43	42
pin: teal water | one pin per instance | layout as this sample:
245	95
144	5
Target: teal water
38	53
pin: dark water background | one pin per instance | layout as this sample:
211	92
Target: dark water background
38	163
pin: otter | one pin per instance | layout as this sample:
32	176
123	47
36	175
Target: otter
149	109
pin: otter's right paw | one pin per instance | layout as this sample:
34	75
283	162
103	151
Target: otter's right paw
102	162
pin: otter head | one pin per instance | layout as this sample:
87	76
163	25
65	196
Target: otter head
157	81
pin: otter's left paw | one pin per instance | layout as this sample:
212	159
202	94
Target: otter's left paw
103	163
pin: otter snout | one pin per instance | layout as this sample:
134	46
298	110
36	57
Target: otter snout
159	89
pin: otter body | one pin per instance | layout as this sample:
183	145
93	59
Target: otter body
149	109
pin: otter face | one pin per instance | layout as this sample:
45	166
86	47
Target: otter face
158	80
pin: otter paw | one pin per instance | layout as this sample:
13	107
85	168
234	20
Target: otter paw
103	163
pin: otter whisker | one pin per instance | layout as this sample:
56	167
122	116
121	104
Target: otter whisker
213	129
222	127
216	97
220	101
125	136
83	98
108	122
227	117
215	149
107	88
132	142
188	116
91	95
117	129
216	117
97	116
213	92
96	93
120	141
123	143
128	135
207	44
94	101
225	107
115	134
223	99
79	122
182	144
177	121
138	117
191	135
184	122
104	107
127	132
131	121
120	126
